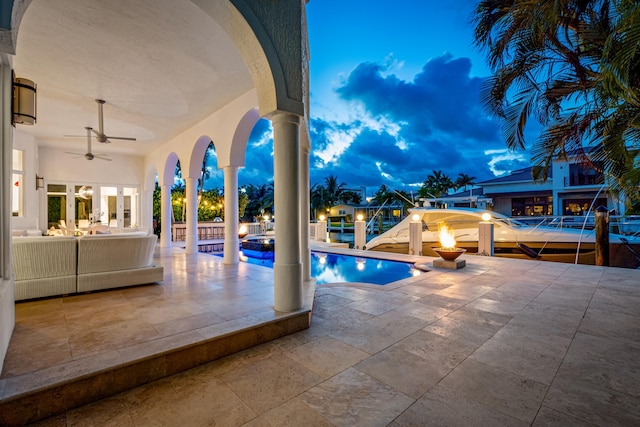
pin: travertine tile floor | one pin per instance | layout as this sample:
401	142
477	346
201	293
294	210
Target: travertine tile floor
500	342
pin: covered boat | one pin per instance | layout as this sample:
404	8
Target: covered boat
512	238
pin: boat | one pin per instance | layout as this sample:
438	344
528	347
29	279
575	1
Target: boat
512	238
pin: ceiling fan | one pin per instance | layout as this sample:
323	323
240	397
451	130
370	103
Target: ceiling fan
89	155
100	135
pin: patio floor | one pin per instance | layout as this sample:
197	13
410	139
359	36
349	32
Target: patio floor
499	342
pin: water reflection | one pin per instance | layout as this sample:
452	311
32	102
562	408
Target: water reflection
334	268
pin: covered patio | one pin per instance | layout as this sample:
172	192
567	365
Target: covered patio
168	78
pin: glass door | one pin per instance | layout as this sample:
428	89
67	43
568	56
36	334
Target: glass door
120	206
83	205
56	205
109	206
131	202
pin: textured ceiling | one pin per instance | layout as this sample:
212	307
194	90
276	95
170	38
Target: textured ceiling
160	65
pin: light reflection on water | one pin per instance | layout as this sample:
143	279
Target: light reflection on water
334	268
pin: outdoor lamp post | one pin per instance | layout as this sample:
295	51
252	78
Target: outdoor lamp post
321	229
415	235
360	233
485	235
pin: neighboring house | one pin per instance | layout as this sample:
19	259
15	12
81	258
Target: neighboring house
571	189
349	211
390	212
517	194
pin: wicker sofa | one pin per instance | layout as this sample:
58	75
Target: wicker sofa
60	265
44	266
113	261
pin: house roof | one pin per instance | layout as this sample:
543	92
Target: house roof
467	193
518	175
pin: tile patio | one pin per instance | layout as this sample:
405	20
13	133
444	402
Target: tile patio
500	342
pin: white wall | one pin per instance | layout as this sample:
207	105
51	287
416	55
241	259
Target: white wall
7	307
56	165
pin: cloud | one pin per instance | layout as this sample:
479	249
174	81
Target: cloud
396	132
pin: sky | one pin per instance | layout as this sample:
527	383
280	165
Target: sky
394	95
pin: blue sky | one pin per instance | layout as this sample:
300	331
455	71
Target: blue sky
394	95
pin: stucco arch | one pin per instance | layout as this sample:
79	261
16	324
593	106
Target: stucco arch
166	174
238	148
197	154
263	33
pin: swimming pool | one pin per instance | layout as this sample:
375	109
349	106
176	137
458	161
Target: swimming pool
334	268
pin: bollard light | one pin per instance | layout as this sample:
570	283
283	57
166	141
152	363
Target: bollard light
360	233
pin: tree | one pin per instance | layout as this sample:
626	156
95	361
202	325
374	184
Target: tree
350	196
334	190
383	195
259	200
464	180
572	65
319	199
205	173
437	184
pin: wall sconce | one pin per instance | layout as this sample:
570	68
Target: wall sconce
39	182
24	101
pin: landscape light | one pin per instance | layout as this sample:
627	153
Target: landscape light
486	216
359	217
415	217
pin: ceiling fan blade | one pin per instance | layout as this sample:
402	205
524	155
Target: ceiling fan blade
95	156
75	154
121	137
75	136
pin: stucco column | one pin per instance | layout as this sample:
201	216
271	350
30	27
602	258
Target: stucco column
231	215
191	194
165	216
304	213
287	268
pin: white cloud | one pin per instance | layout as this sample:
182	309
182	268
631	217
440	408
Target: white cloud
502	155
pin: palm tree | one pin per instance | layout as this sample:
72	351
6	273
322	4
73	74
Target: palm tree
260	200
350	196
437	184
334	190
562	62
205	172
319	199
383	195
464	180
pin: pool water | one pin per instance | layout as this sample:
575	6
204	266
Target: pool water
334	268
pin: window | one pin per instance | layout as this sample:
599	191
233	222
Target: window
584	175
573	207
532	206
17	179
